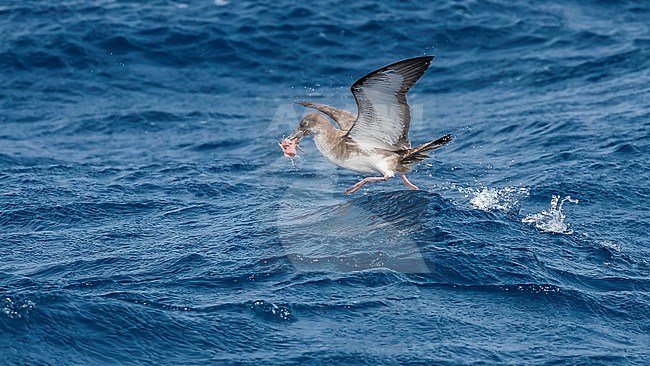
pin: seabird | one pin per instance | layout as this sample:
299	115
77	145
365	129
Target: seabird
376	139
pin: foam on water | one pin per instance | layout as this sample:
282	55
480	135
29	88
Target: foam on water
610	244
507	199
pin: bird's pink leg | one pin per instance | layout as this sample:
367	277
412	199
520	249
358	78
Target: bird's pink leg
410	185
356	187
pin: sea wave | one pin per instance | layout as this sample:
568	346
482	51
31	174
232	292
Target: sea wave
147	214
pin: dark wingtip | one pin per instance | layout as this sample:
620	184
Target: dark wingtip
424	58
303	103
416	66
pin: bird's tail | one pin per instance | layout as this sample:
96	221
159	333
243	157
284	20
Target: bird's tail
420	152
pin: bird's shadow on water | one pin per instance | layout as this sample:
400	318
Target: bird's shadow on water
378	231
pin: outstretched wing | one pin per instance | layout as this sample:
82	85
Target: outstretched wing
384	115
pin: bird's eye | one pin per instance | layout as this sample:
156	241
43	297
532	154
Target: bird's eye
303	123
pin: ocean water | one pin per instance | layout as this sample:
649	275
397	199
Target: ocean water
147	215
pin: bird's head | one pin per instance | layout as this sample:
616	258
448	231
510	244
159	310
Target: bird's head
310	124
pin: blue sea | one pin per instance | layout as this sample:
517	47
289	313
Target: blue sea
148	216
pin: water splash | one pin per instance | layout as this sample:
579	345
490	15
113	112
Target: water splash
552	220
15	309
506	199
272	311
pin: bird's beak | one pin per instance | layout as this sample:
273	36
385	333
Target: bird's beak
297	135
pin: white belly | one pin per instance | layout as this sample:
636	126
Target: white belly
362	162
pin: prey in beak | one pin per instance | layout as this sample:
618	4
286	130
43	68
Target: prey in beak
290	144
311	124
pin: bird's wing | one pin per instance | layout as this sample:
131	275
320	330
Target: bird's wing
384	115
342	117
